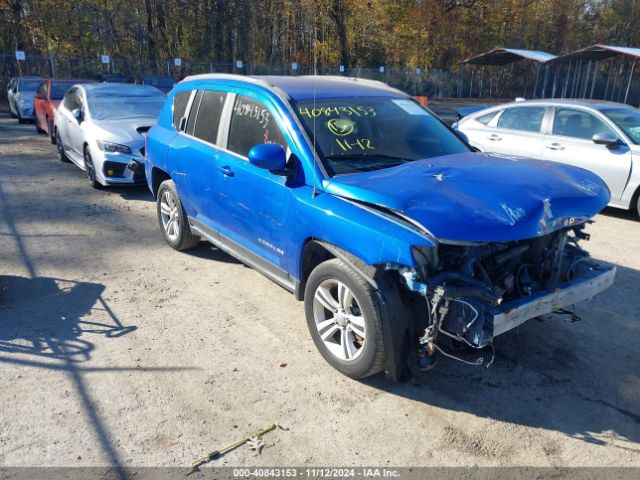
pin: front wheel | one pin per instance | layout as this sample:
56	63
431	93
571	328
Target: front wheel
91	169
61	154
344	319
173	219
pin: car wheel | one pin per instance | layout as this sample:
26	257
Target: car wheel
51	129
21	120
344	319
173	219
90	169
61	155
38	129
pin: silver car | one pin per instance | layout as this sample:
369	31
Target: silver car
20	94
100	127
602	137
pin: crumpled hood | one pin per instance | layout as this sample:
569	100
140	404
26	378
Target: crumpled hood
480	197
123	131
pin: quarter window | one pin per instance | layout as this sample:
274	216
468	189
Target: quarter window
486	118
569	122
193	113
527	119
180	101
251	125
209	113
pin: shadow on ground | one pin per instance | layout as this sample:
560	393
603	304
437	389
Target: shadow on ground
581	378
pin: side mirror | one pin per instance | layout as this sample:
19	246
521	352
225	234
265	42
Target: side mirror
270	156
77	114
606	139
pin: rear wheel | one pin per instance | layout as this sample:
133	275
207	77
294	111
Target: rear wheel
344	319
173	219
91	169
51	129
38	129
61	155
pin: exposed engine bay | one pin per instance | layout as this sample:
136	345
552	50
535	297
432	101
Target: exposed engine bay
475	292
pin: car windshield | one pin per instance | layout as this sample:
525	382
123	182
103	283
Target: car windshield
628	119
363	134
122	105
59	89
29	84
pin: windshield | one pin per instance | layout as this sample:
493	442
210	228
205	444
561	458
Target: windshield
363	134
120	105
29	84
58	90
628	119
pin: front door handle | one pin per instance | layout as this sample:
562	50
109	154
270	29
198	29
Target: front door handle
226	171
494	138
555	146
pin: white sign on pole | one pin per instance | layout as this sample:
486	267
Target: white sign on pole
239	64
294	66
105	59
418	71
177	62
20	55
381	69
341	68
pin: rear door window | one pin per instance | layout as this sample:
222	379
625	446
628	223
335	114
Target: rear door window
208	116
570	122
252	124
180	101
526	119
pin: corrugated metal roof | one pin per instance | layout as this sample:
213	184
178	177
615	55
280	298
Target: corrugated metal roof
598	52
504	56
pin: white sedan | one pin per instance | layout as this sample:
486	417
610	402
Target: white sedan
100	127
603	137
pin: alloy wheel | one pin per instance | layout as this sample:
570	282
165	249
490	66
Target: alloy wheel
339	320
170	215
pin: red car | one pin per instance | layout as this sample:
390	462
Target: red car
47	98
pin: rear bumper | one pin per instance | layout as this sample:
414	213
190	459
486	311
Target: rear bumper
517	312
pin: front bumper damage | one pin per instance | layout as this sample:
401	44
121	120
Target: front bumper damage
517	312
473	293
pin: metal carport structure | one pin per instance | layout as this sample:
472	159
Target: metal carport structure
582	68
501	57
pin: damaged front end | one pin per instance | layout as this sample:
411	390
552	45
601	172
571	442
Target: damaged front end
474	292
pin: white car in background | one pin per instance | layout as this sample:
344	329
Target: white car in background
603	137
100	127
20	95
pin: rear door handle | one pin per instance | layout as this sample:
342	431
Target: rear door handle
226	171
494	138
555	146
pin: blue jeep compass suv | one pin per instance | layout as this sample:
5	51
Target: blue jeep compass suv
403	243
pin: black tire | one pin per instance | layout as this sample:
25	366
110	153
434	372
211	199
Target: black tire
50	129
183	239
371	359
90	169
61	155
21	120
38	129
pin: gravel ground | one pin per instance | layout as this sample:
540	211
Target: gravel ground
115	349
